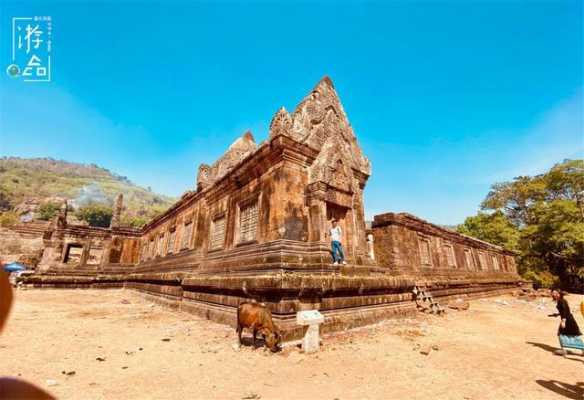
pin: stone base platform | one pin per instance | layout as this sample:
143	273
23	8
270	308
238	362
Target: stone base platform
347	298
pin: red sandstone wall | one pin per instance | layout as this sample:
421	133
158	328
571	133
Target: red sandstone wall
288	212
403	242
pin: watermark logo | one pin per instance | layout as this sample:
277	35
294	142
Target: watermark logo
32	40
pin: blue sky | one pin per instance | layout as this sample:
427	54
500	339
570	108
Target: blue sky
446	98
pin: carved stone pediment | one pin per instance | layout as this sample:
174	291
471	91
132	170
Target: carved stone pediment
330	169
281	123
203	179
320	122
240	149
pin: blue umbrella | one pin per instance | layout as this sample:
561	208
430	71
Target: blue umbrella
14	267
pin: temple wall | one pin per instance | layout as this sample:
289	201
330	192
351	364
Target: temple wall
406	243
22	243
288	211
276	195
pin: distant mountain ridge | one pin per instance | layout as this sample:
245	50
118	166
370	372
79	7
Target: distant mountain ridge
38	180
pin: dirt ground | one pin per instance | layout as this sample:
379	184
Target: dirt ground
113	344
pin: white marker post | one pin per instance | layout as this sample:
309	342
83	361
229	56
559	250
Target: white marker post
312	318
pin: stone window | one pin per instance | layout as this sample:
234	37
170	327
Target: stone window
496	266
482	261
450	257
171	239
186	235
151	249
217	235
143	250
248	222
470	264
425	252
178	239
94	257
504	264
159	251
146	249
116	250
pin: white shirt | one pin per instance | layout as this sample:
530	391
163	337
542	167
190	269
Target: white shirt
336	234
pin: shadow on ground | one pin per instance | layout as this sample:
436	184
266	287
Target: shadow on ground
575	392
542	346
552	349
248	342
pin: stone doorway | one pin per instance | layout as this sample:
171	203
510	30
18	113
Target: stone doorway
73	254
341	214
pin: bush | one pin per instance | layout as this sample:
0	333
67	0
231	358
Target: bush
134	222
541	279
95	215
5	203
48	210
8	218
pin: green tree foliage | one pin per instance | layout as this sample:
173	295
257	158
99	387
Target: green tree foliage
541	279
494	228
48	210
95	214
134	221
547	213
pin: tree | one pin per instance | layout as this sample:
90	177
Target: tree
494	228
95	214
565	181
515	198
556	241
48	210
547	212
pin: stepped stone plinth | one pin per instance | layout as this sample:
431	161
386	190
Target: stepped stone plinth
255	226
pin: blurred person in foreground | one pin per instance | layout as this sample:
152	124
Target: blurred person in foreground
11	388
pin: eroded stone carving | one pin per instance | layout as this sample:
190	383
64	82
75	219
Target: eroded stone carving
117	211
320	121
203	180
281	124
240	149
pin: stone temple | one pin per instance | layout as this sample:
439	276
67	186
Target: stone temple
255	225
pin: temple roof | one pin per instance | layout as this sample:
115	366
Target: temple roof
237	151
320	122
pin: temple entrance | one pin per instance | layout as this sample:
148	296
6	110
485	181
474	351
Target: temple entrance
73	254
341	214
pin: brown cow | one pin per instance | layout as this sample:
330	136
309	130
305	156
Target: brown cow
258	318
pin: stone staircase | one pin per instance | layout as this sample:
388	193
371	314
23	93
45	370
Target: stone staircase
425	302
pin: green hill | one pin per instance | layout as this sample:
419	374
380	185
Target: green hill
27	183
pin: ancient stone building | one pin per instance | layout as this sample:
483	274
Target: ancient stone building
255	227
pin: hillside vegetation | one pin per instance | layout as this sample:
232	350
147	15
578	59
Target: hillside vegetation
42	180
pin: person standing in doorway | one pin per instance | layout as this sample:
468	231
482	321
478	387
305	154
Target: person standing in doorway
336	234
